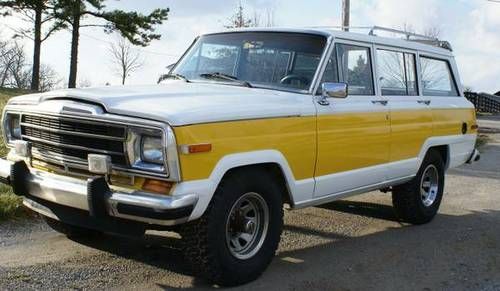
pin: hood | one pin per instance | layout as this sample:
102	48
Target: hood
180	103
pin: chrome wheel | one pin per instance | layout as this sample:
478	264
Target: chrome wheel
247	225
429	185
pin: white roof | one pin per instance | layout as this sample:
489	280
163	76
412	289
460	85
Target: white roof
336	33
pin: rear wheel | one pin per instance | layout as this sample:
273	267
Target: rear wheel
237	237
418	201
69	230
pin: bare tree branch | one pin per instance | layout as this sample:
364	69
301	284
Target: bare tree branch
125	59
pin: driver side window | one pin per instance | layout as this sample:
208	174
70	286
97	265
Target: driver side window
351	64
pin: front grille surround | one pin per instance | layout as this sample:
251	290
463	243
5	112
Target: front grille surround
170	171
125	164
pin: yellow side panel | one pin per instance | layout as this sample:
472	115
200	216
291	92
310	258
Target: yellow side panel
449	121
410	129
294	137
352	141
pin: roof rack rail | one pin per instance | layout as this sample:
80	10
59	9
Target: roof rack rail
410	36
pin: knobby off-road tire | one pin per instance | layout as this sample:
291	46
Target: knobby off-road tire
213	246
418	201
69	230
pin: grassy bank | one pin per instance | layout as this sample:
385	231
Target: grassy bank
10	205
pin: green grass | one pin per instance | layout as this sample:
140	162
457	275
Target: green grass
10	204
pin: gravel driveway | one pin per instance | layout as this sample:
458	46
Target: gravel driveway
352	244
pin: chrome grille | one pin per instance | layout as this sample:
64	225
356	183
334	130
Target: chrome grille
73	139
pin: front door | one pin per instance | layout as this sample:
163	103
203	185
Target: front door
353	133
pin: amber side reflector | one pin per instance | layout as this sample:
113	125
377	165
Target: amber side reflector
474	127
157	186
196	148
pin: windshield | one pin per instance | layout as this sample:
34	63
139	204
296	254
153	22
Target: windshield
258	59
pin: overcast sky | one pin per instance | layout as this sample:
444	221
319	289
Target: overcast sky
472	26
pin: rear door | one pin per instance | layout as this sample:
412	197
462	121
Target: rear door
411	117
353	133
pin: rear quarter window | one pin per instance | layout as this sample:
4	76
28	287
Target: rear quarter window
437	77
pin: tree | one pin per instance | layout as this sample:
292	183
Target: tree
135	27
6	62
16	73
37	12
239	19
13	72
125	59
49	79
19	75
264	21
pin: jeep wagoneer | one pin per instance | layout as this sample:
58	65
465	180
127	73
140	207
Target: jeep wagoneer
247	122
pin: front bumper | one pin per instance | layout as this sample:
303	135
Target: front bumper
93	196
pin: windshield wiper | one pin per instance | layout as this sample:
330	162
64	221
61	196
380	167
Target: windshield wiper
173	76
222	76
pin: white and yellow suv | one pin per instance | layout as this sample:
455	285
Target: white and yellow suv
246	122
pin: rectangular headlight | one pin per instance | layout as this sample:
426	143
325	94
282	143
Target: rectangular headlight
12	126
152	150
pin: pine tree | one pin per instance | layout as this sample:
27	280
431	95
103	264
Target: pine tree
139	29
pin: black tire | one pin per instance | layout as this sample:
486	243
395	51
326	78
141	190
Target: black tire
206	248
408	200
69	230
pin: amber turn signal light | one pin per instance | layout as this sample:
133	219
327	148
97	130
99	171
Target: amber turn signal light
196	148
157	186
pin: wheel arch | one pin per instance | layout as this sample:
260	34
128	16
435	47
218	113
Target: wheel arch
444	152
270	168
271	161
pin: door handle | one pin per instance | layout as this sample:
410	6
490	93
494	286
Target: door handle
381	102
426	102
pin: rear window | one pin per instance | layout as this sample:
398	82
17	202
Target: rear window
437	79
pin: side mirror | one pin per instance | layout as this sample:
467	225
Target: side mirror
334	90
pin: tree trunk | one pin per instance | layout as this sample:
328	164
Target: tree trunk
35	77
75	38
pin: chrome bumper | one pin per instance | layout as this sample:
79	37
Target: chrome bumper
95	196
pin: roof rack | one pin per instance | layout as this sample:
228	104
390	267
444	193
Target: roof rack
410	36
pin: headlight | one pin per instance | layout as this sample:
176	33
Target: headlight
152	150
13	126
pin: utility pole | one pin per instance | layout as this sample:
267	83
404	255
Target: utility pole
346	7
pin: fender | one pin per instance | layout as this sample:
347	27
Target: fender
458	150
460	147
205	189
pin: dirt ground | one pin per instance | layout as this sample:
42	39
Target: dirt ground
354	244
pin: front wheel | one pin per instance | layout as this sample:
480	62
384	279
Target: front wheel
237	237
418	201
